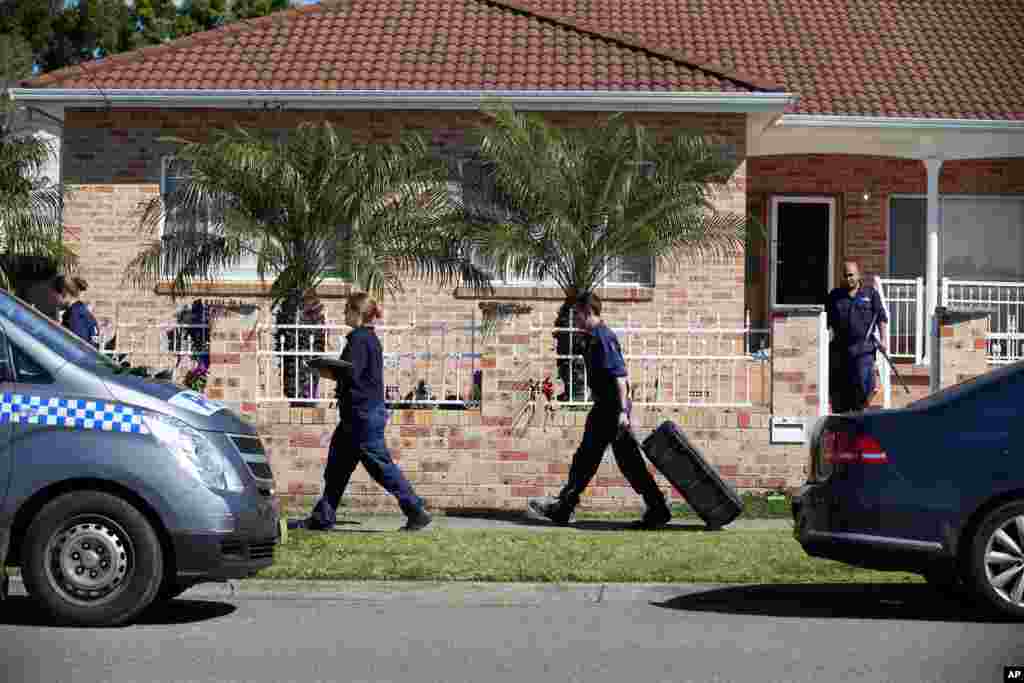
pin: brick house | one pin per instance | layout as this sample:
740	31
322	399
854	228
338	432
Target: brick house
849	141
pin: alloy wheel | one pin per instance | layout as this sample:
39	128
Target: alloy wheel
1004	561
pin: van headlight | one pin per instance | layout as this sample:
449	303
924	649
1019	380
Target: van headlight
194	452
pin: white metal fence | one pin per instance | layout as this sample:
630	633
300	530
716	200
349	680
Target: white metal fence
425	363
904	302
693	365
160	348
1006	301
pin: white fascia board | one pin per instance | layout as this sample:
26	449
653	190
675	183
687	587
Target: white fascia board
836	121
537	100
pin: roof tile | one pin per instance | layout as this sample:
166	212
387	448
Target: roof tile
869	57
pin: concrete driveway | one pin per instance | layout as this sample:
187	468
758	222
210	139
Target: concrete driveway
514	632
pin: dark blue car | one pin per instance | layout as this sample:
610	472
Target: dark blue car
936	488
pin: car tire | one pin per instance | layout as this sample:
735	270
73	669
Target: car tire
997	560
92	559
172	588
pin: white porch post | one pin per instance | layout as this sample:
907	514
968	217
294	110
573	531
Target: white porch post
933	166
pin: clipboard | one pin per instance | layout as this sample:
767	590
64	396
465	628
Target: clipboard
329	368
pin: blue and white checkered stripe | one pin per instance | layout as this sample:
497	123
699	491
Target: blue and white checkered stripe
71	413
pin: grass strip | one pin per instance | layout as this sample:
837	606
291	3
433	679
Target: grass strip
562	556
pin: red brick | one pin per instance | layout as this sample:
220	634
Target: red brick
513	455
304	441
527	491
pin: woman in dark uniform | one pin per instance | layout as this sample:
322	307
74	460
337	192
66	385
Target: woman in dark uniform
359	436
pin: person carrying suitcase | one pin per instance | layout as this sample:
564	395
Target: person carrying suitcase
852	312
607	425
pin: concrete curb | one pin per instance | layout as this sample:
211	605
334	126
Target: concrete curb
434	593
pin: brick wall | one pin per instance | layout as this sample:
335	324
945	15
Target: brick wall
962	345
111	163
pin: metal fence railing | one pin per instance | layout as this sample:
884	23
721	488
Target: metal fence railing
904	303
426	364
1006	301
693	365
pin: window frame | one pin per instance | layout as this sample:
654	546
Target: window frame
773	244
942	198
243	273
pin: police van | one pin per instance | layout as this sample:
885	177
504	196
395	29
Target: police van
117	490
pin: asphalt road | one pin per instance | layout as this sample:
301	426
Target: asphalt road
516	633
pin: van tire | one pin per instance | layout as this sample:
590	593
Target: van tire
92	559
172	588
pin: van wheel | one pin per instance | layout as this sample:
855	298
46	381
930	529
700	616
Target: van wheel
997	559
172	588
92	559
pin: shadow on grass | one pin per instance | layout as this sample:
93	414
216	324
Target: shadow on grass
23	611
299	523
917	602
522	518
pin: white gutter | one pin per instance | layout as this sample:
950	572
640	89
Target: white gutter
828	121
563	100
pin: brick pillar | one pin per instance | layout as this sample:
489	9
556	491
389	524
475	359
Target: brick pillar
961	345
794	387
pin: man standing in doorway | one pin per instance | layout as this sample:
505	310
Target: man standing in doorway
853	311
607	425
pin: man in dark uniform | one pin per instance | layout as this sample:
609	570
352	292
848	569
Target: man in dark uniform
607	425
853	312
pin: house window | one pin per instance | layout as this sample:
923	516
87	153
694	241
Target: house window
980	238
473	184
174	174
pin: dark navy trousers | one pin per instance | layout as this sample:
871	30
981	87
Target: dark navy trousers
856	379
359	438
602	430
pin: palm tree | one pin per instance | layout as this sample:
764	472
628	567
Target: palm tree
31	206
308	205
577	201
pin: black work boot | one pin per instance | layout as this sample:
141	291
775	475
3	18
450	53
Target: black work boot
417	520
656	517
553	509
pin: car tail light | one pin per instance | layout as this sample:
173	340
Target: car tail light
841	448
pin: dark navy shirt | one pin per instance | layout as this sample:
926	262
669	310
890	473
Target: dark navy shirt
604	366
850	317
81	321
363	385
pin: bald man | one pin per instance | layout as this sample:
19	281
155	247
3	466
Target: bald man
853	311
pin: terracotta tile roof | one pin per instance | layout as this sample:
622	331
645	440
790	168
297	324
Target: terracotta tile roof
903	58
403	44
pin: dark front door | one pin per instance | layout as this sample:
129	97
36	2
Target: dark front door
802	245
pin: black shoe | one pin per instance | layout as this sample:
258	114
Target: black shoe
417	521
310	524
654	518
552	509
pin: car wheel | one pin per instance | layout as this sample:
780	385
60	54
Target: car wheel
92	559
997	559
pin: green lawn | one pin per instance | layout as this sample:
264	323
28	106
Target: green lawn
562	556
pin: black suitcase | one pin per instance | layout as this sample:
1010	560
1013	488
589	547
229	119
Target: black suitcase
675	457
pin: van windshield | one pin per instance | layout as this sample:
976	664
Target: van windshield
47	332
